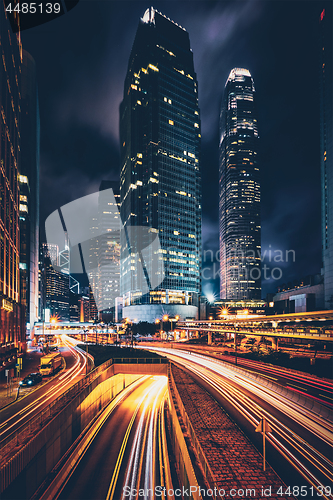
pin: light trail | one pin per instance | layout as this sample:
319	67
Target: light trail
310	463
60	384
141	468
279	371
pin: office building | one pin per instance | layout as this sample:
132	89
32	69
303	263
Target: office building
93	268
50	250
326	149
12	320
239	191
108	248
29	191
84	309
160	183
74	307
57	292
93	312
300	296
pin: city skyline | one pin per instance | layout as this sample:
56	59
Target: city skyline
281	202
144	387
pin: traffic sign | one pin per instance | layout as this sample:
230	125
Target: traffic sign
263	426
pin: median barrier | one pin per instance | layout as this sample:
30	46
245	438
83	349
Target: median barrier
300	399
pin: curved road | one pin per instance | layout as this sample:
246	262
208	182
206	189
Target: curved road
311	386
17	414
300	436
129	452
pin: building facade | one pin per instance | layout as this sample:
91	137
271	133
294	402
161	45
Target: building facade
108	247
29	191
12	324
57	293
239	191
160	184
326	149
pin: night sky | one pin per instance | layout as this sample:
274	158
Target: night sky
81	63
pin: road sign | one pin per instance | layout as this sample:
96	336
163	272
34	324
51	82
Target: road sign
263	427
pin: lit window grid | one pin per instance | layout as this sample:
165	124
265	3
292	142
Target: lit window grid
184	122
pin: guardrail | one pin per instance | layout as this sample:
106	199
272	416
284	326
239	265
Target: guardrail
140	360
326	337
22	433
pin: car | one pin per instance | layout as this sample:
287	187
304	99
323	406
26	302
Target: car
31	379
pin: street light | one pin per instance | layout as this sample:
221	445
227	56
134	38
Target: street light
176	318
165	318
128	325
235	346
159	322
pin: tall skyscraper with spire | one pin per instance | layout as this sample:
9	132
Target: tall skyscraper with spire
160	184
239	191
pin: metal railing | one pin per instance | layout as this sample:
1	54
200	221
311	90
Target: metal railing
140	360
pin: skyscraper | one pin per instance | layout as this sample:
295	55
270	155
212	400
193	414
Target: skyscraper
326	149
29	190
239	191
160	183
57	292
12	331
108	253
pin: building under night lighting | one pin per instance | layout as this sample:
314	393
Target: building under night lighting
12	331
57	292
160	172
239	191
108	251
29	191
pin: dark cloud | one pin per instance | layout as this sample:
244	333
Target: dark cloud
82	60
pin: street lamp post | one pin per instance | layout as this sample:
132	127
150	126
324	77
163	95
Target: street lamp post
165	318
172	320
235	346
159	322
87	356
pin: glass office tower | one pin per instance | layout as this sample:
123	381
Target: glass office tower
108	251
160	174
239	191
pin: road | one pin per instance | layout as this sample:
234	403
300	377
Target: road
301	437
129	452
320	390
17	414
